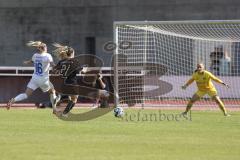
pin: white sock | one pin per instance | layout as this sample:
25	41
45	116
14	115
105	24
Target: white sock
59	96
20	97
52	99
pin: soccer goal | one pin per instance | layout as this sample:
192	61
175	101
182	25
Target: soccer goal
153	59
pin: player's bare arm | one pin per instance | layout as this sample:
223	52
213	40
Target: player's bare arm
214	78
190	81
28	62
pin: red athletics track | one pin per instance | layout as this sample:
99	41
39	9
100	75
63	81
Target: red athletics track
163	105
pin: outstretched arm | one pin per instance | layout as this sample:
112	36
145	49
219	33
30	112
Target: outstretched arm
190	81
28	62
214	78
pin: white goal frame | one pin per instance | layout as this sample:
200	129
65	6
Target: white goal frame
143	24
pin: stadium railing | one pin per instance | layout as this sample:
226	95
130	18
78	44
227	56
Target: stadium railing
14	79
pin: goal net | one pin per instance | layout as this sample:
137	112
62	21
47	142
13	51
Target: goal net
154	59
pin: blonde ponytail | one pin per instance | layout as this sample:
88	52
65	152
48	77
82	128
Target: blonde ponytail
61	51
36	44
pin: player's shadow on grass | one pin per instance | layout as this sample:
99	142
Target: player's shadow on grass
87	92
86	116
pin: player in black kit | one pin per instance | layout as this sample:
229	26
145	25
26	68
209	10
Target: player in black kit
68	70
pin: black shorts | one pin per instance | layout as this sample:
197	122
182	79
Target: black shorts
71	82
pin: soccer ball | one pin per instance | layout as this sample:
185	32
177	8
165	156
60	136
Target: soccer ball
118	112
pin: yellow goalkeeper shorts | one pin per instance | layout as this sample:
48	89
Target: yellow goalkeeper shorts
211	93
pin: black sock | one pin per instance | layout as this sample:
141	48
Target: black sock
70	105
104	104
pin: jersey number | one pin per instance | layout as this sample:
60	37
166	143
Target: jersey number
38	67
64	70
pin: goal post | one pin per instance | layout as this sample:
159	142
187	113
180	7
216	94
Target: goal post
161	56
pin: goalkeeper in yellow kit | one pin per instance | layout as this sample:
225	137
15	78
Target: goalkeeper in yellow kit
205	86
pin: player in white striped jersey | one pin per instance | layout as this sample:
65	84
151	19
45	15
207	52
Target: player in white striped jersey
40	79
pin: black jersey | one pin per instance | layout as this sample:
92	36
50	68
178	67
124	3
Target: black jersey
69	70
98	85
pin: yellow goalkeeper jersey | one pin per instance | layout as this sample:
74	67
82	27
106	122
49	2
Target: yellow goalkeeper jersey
204	82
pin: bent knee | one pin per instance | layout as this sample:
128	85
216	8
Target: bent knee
74	99
216	97
51	91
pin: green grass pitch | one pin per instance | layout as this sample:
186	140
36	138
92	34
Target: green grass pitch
38	135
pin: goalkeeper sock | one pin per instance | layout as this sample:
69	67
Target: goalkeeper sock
222	107
69	107
20	97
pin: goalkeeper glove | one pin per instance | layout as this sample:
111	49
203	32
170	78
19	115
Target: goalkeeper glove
226	85
184	87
